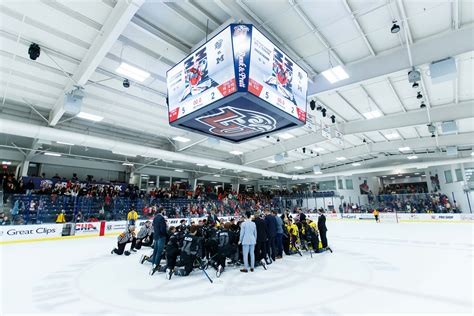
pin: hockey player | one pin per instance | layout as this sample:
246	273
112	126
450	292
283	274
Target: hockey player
173	248
189	251
123	239
145	236
311	234
227	246
376	215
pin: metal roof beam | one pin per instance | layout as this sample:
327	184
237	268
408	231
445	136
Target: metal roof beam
117	21
451	111
382	147
425	51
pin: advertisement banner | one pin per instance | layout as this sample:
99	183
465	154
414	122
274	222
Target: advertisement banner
115	226
87	229
276	78
205	76
30	232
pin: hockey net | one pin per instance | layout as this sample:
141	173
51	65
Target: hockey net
389	218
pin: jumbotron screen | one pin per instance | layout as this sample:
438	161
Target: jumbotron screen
237	86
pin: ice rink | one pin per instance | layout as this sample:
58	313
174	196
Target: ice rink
406	268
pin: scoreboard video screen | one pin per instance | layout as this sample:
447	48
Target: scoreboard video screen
276	78
237	86
203	77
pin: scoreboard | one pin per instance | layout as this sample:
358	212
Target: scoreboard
237	86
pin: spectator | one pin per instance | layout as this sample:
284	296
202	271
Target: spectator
61	218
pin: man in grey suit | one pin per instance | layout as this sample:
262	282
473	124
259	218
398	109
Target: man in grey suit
248	239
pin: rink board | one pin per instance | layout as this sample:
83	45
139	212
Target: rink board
32	233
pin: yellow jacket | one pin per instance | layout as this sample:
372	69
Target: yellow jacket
60	218
313	226
376	213
132	215
293	229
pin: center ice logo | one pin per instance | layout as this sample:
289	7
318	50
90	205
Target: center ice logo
230	121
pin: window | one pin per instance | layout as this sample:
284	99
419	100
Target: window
340	184
327	185
459	175
448	176
349	185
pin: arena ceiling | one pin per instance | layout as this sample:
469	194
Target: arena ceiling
85	41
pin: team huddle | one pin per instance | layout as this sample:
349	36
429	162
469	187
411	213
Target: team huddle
213	242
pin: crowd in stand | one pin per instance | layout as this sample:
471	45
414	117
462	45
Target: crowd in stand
404	188
112	200
416	203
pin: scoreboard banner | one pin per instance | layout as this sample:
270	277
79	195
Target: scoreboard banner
276	78
237	86
203	77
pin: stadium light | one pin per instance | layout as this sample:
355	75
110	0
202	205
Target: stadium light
90	117
52	154
372	114
181	139
285	136
412	157
404	148
132	72
335	74
341	158
392	136
235	152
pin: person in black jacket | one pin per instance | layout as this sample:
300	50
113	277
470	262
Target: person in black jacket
262	235
271	223
323	230
159	235
226	248
189	251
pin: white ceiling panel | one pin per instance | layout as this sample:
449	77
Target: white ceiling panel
427	18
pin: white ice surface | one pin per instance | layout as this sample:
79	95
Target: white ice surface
406	268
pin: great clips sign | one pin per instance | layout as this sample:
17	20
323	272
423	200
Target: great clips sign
29	232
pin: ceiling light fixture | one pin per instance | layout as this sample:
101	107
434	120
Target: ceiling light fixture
181	139
132	72
419	95
178	170
214	167
298	167
90	117
272	161
335	74
404	148
6	163
312	105
52	154
285	136
392	136
200	164
64	143
333	119
395	27
341	158
415	85
422	105
412	157
127	164
356	164
372	114
235	152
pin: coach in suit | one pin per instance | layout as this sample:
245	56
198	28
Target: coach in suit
248	239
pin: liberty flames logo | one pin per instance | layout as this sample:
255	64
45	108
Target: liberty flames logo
230	121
